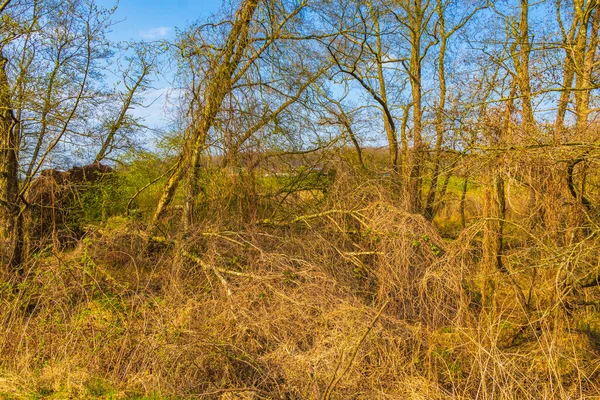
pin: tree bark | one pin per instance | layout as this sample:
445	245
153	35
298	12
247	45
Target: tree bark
416	18
583	106
568	74
9	166
583	12
439	116
524	78
218	86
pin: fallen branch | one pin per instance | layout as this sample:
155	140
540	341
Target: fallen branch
305	218
208	267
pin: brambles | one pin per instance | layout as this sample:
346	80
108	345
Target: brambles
266	247
268	304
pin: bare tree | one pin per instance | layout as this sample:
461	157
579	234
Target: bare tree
359	53
444	35
53	58
135	79
224	71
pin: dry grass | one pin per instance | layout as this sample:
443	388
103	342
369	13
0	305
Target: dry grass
288	309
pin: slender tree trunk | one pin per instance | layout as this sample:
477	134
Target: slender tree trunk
521	58
127	103
404	142
388	125
583	12
415	179
432	195
567	80
9	183
495	200
524	79
489	248
463	201
439	118
167	195
563	101
501	200
583	107
348	126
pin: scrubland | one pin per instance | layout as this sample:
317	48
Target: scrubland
286	292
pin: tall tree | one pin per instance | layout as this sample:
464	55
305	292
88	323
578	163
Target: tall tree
9	184
416	17
361	54
246	62
444	36
52	96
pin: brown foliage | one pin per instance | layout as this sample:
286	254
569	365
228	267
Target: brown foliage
53	202
287	308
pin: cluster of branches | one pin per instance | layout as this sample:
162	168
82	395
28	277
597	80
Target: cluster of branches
56	105
434	80
439	79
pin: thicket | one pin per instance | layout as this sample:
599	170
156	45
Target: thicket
265	249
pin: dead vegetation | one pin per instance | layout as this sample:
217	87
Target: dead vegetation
356	299
260	248
56	202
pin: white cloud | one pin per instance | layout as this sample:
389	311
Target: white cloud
155	33
160	105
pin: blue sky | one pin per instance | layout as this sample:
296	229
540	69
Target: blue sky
156	19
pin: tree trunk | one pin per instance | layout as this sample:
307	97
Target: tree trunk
9	182
524	78
348	127
415	180
167	196
389	125
404	141
439	118
581	60
583	106
218	86
463	201
568	75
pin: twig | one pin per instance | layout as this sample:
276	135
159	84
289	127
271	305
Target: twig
335	379
258	392
363	253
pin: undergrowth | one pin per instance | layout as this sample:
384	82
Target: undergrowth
352	299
